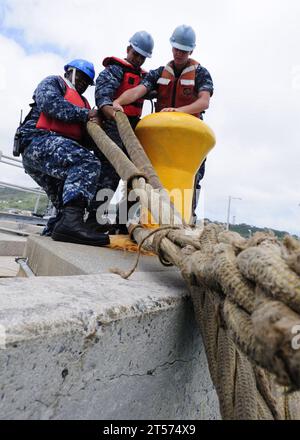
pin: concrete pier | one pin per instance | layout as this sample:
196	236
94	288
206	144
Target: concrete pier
90	345
11	245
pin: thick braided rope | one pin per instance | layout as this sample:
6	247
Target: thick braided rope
246	331
246	297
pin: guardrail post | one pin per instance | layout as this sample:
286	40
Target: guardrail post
36	207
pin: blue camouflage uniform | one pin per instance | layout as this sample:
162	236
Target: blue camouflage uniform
65	169
107	84
203	82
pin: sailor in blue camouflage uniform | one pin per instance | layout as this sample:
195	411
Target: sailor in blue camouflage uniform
193	97
55	150
119	75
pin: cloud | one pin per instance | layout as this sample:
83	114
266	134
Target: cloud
251	50
20	74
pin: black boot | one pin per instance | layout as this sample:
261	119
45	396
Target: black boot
104	225
71	228
48	229
93	224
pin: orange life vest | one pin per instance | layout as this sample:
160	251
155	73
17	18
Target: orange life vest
73	130
131	78
177	92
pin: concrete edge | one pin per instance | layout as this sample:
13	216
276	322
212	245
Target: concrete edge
45	258
77	304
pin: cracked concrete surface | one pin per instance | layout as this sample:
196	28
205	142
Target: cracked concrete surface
99	347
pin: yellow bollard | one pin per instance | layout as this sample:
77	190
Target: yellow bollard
176	144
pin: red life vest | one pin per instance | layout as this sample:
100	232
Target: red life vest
73	130
177	92
131	78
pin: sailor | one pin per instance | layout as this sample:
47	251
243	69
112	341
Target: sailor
183	85
118	76
55	150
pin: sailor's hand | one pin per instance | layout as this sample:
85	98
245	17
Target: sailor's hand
108	112
117	107
169	109
93	116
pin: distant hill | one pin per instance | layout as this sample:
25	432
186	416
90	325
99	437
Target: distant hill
247	230
20	200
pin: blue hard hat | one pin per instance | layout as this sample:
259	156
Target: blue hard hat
84	66
143	43
183	38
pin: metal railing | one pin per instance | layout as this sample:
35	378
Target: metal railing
8	160
22	188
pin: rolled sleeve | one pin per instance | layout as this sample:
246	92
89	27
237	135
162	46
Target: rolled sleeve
204	81
150	80
107	84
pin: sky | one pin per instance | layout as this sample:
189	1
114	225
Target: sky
251	49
